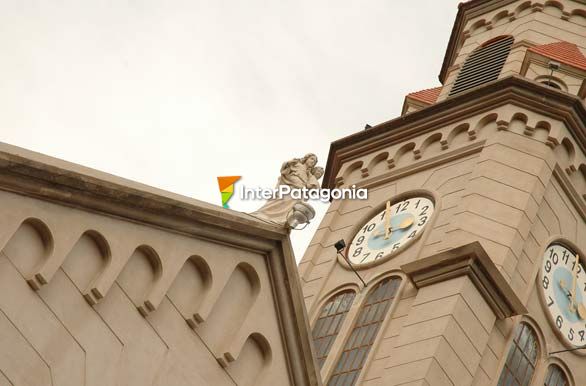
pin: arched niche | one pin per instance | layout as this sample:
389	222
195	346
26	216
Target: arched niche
477	27
500	18
190	286
139	274
458	135
485	126
379	164
578	16
553	8
229	312
523	9
29	246
518	123
542	129
87	259
404	155
254	359
431	145
352	172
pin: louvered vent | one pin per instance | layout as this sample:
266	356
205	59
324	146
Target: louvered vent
483	65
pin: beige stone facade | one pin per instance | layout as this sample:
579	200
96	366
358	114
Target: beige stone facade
129	285
107	282
505	163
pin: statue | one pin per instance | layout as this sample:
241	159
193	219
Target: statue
297	173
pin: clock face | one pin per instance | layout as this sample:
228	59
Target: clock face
564	288
394	227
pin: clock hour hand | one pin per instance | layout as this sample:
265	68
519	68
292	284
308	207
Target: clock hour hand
573	301
582	311
406	223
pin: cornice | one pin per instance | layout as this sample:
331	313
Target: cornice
515	89
36	175
469	260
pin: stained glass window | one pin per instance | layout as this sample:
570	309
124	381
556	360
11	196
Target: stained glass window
368	322
522	357
329	323
555	377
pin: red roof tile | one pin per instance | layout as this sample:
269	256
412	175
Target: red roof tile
563	52
428	96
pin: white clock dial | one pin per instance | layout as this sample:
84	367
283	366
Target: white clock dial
394	227
563	283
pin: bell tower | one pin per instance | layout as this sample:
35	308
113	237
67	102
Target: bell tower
472	241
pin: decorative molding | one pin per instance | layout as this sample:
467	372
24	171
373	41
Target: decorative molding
517	90
502	125
536	7
469	260
35	175
440	159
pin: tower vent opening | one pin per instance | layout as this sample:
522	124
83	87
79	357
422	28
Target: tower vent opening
483	65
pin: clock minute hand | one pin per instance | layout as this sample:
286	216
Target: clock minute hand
574	283
388	220
578	306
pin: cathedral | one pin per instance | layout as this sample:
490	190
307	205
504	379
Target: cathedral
465	266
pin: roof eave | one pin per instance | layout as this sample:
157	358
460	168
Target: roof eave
515	87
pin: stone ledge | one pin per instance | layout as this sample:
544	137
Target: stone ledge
36	175
468	260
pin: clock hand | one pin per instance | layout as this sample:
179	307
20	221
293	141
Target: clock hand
581	311
406	223
575	282
565	288
572	307
388	220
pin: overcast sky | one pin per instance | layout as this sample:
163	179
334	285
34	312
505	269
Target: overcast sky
174	93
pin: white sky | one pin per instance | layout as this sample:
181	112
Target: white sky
174	93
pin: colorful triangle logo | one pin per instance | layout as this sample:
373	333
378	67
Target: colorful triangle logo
226	185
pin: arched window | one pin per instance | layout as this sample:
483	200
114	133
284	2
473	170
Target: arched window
551	84
520	364
483	65
368	322
555	377
329	322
